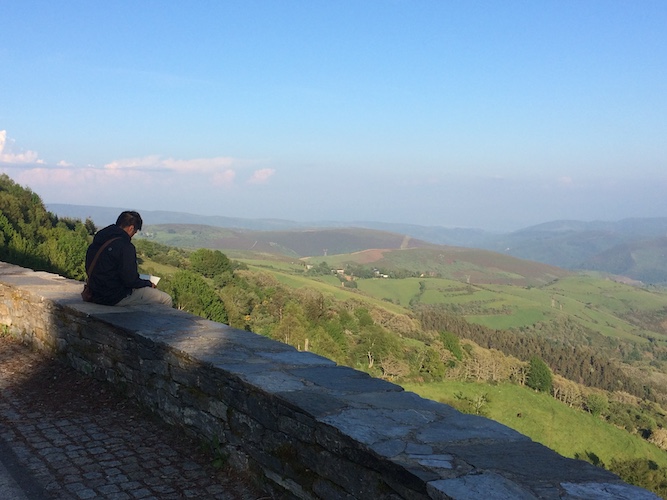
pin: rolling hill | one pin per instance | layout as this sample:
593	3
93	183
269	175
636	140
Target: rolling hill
365	247
295	243
635	248
632	248
467	265
645	260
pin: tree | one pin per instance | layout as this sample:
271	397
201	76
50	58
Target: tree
363	317
393	367
31	236
659	438
66	251
451	343
209	263
374	344
336	331
472	404
292	328
314	305
597	404
567	392
430	366
90	226
239	304
324	344
539	375
191	293
641	472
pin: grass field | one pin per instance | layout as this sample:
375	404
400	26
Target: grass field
453	263
487	288
327	285
604	306
600	305
397	291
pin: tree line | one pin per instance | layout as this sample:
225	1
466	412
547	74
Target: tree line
32	237
579	363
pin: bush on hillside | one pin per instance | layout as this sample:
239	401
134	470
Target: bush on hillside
597	404
30	236
539	376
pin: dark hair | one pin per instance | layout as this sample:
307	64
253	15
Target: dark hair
129	218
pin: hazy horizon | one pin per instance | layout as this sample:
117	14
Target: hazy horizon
493	115
111	212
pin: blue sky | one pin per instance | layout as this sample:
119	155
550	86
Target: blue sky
495	115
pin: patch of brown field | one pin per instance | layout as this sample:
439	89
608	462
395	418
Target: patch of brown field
368	256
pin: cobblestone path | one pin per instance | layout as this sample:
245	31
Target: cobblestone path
72	437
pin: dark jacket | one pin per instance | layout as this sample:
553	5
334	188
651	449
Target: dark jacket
115	274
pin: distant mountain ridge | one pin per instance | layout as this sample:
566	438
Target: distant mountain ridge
103	216
635	248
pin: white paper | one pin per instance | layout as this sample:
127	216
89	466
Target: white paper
151	278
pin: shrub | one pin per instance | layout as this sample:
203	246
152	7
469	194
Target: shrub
539	376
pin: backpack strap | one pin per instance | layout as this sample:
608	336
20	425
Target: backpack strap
97	255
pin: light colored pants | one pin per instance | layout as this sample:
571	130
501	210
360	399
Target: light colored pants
146	295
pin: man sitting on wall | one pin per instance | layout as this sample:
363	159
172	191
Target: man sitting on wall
114	279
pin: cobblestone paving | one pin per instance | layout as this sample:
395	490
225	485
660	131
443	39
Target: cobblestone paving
79	440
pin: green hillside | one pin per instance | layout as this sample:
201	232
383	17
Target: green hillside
456	263
292	276
641	260
293	242
598	305
619	322
633	248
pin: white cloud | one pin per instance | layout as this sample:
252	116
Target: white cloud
224	178
200	165
215	171
6	155
156	162
155	180
143	163
261	176
221	170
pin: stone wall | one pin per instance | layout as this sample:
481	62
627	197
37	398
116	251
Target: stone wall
302	425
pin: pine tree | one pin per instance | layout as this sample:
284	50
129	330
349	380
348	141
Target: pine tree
539	375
